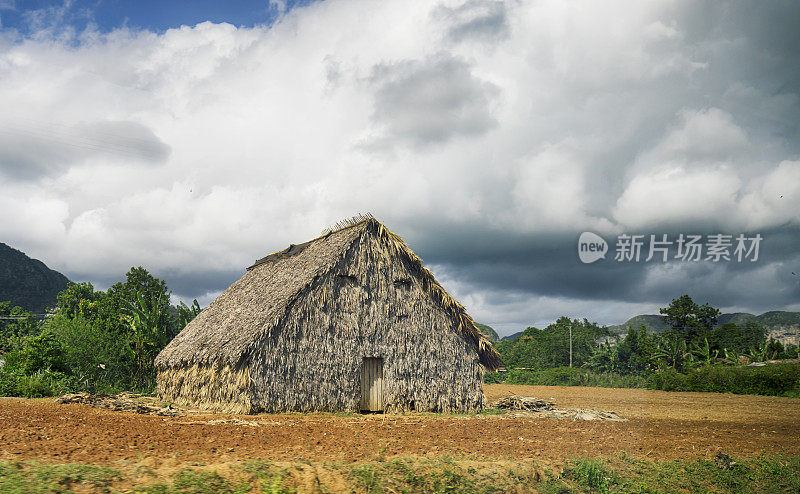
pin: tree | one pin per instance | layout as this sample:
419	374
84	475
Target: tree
671	349
138	281
737	339
635	352
549	347
688	318
604	358
187	312
149	331
704	354
77	300
15	322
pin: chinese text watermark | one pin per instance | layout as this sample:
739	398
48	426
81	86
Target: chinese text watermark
661	247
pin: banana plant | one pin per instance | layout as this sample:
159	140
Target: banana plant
187	312
672	351
604	358
146	322
759	352
704	354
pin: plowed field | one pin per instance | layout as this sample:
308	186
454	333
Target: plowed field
660	426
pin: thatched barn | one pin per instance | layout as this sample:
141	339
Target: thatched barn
349	321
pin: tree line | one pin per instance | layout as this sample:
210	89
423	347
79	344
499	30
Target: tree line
93	340
692	349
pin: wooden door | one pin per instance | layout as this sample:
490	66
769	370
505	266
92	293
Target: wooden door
372	385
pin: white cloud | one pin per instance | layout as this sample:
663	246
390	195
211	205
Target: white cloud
772	200
679	197
518	117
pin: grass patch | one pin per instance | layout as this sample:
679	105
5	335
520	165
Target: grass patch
618	474
25	478
764	474
270	479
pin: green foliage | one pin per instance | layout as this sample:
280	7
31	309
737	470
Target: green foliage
95	356
37	352
671	351
148	332
199	482
604	358
688	318
40	384
186	313
549	347
772	380
15	322
17	478
636	351
97	342
703	354
764	474
737	339
568	376
589	474
613	474
489	332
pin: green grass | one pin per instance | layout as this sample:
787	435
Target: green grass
32	478
613	475
764	474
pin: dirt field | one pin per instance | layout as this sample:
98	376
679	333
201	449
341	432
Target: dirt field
660	426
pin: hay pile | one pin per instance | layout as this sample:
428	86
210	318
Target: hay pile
516	402
584	414
542	408
123	402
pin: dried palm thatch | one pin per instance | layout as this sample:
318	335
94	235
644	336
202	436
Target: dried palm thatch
291	334
516	402
123	402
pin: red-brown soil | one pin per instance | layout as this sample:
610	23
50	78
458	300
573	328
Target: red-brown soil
661	426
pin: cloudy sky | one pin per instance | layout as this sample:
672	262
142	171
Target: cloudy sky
489	134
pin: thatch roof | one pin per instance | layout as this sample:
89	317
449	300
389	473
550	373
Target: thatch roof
249	310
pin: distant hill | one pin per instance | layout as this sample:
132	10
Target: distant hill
27	282
652	322
772	320
489	332
782	325
512	336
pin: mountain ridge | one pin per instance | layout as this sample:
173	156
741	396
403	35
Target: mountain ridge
28	282
776	321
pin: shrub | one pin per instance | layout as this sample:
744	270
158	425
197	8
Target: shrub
772	380
569	376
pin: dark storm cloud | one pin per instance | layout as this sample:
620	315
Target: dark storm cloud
30	149
751	47
494	262
480	20
195	284
431	101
